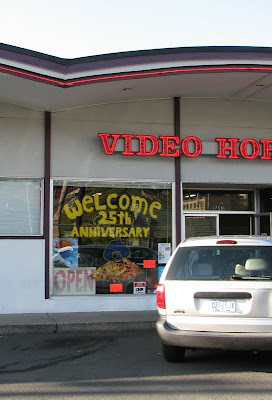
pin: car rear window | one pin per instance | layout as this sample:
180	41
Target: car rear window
221	263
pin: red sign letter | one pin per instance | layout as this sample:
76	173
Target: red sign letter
128	141
62	280
267	149
109	149
255	148
232	148
142	145
70	278
185	146
168	149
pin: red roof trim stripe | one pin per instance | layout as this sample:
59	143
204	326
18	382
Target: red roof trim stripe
130	75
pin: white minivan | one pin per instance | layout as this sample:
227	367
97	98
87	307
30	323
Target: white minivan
216	293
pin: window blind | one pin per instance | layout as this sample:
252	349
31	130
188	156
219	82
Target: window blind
20	207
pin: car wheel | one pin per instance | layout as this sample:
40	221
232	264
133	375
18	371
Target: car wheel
173	353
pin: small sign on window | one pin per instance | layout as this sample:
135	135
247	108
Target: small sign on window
139	287
116	287
149	264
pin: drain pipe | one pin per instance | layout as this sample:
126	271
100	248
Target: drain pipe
46	213
177	172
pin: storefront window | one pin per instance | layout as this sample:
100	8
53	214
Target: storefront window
106	238
20	207
217	200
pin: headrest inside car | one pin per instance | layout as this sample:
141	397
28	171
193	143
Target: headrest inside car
240	270
256	264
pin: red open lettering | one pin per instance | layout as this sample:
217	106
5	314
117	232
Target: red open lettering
88	281
78	280
70	278
60	276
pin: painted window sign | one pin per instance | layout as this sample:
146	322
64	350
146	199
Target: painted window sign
65	252
190	146
110	235
114	214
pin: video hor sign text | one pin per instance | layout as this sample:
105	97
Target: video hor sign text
190	146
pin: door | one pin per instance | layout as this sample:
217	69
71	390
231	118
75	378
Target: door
201	225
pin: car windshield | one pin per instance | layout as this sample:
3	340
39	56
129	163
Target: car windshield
221	263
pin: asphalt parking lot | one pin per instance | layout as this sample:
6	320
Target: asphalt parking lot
124	364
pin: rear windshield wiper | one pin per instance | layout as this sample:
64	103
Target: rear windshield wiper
239	277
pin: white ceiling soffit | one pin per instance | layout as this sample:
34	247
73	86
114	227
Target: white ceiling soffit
49	83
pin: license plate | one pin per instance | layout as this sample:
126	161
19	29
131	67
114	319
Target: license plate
223	306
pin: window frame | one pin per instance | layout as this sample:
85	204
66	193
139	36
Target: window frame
141	183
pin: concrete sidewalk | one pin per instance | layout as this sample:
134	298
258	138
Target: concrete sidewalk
11	324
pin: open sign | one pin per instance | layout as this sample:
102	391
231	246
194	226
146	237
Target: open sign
71	281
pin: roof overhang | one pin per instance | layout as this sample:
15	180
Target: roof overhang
44	82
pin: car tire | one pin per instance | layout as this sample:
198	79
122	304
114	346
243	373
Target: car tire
173	353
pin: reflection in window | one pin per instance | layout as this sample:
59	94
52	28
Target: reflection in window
200	226
217	200
106	238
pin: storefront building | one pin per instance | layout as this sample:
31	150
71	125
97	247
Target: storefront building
107	162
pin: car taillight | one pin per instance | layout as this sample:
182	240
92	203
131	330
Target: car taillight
226	241
161	296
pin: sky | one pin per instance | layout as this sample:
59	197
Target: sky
79	28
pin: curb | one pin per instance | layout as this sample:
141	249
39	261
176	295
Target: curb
27	329
106	326
75	327
17	324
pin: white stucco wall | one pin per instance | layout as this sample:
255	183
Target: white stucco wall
22	275
22	142
77	150
211	118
